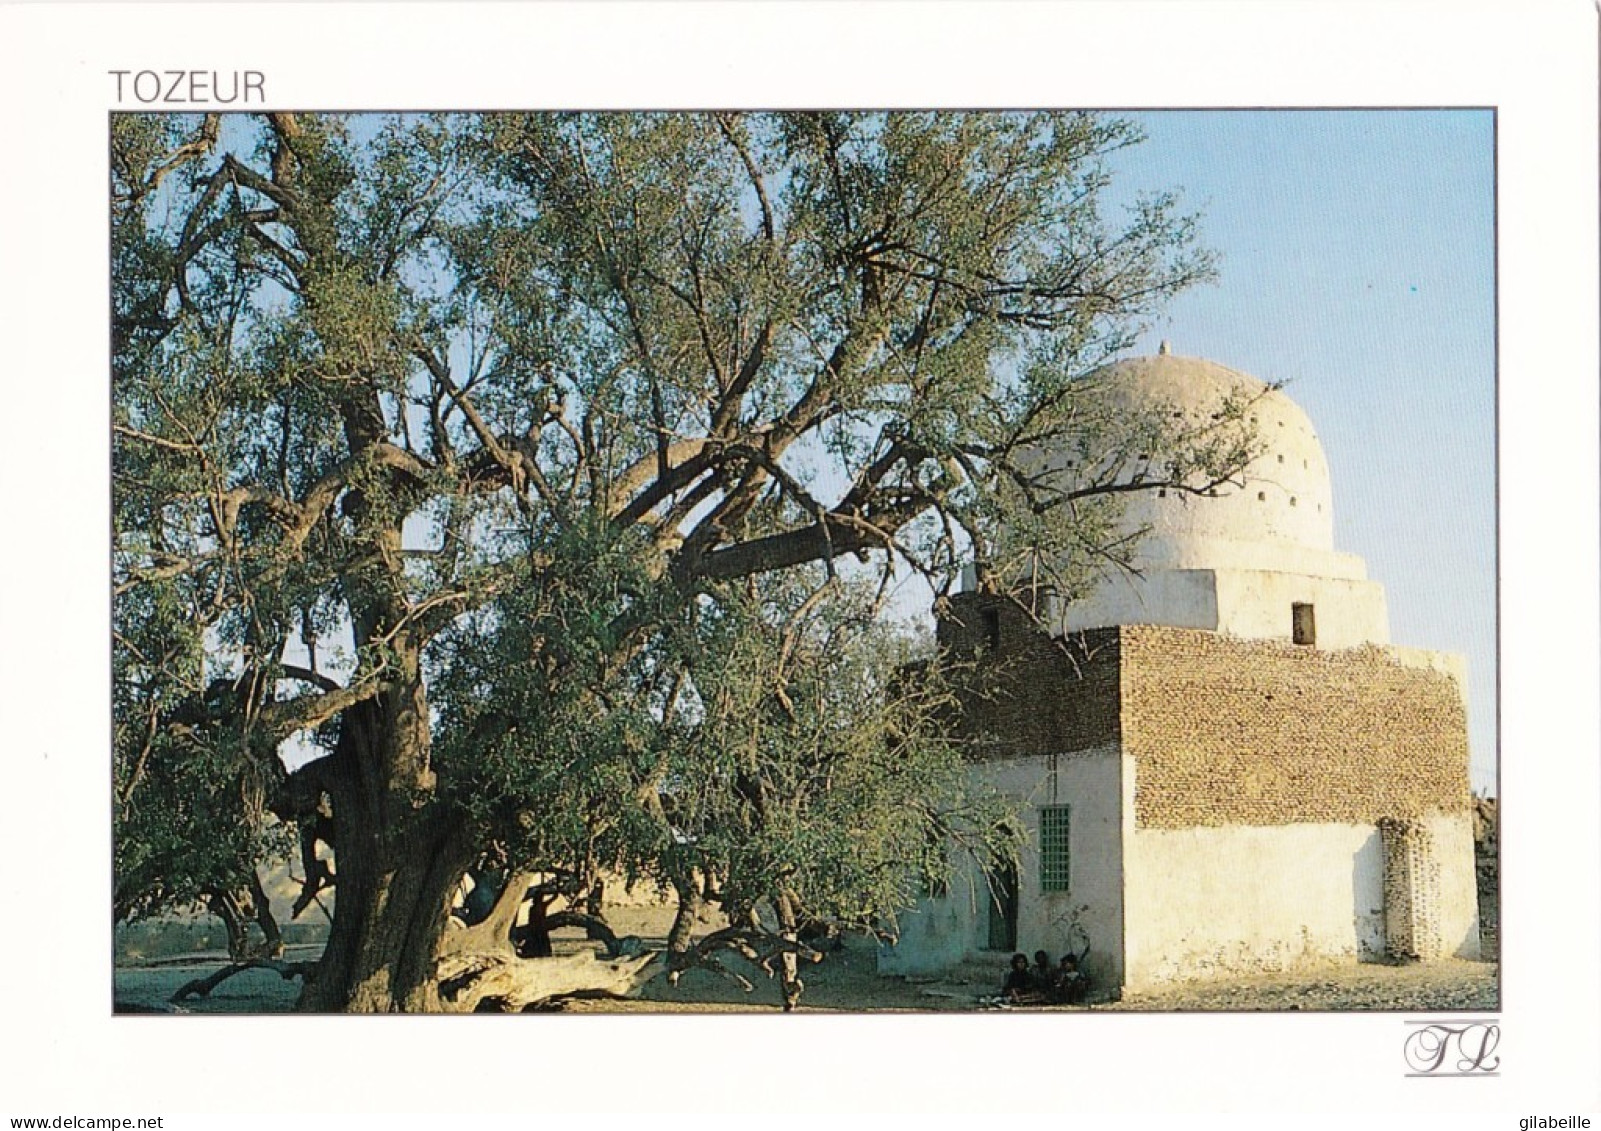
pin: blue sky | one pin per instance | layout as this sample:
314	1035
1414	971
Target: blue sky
1358	266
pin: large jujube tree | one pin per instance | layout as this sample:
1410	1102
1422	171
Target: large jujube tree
549	472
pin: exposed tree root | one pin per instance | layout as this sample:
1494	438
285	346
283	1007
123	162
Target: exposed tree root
598	930
202	987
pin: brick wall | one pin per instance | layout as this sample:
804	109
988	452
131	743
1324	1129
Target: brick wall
1234	732
1032	695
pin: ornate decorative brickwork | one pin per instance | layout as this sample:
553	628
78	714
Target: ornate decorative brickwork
1027	694
1243	732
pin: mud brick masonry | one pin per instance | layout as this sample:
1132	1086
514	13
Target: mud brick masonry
1223	731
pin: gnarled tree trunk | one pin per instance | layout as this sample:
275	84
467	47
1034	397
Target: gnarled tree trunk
400	858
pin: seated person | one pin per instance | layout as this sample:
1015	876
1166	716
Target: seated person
1071	985
1019	988
1044	974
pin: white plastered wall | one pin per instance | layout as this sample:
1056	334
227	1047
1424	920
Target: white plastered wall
1453	664
1458	893
1178	598
941	932
1210	902
1257	605
938	933
1250	603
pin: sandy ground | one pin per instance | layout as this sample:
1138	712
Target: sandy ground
153	963
846	981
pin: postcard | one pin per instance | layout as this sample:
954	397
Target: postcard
902	557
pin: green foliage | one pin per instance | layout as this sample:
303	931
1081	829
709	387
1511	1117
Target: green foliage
552	428
814	758
777	737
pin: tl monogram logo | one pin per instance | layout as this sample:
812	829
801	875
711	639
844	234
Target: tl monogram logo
1452	1048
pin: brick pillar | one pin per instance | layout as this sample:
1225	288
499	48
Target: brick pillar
1411	892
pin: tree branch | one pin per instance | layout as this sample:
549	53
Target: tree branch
283	717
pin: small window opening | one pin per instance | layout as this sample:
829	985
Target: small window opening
1281	457
1292	500
1303	624
1261	496
1162	494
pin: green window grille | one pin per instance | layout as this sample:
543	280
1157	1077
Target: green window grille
1053	848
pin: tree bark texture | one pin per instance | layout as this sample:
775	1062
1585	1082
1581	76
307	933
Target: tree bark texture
400	860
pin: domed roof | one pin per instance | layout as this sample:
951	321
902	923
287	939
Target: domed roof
1278	515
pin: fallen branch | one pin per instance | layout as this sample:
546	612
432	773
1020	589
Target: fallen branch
753	945
470	981
739	980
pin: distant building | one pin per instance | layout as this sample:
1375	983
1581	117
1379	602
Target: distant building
1222	764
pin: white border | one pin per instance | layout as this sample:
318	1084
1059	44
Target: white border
1535	62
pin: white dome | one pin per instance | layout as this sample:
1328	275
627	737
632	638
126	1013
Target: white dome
1253	556
1277	515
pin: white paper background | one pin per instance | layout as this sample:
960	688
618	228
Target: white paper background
65	1054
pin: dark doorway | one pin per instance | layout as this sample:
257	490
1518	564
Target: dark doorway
1003	906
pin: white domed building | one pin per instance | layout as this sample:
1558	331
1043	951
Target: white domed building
1238	557
1222	764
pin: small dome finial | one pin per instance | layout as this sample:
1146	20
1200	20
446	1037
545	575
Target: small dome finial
1165	349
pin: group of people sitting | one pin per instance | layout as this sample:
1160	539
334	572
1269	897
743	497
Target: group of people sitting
1044	984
